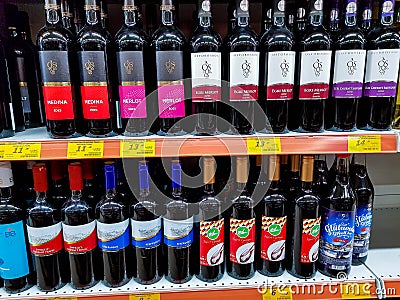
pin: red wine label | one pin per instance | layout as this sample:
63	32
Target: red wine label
310	240
58	102
273	238
382	73
243	75
80	238
242	239
45	240
206	76
280	75
95	102
211	242
315	71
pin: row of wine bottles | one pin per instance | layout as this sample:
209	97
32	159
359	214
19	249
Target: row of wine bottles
305	220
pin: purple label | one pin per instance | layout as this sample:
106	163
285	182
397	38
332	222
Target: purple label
133	102
347	90
171	101
380	89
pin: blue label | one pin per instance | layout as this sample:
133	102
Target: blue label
362	231
146	234
178	233
13	254
113	237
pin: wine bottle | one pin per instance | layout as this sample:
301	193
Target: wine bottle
169	45
338	211
56	58
95	55
273	229
321	183
45	234
242	228
132	50
231	13
242	70
123	187
365	16
266	17
364	192
105	21
307	222
315	65
205	47
79	232
79	19
382	72
335	10
67	16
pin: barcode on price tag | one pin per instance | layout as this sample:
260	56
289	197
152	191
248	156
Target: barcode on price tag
85	149
364	144
145	297
17	151
278	293
264	145
355	290
138	148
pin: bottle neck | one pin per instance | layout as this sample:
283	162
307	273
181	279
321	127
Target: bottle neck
316	13
241	187
167	15
5	194
130	16
387	13
350	17
41	197
306	185
278	14
209	189
53	14
92	11
76	195
242	13
342	167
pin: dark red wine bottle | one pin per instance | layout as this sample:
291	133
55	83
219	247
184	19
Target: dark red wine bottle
45	234
68	16
56	58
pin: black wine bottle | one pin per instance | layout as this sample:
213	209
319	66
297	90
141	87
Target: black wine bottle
68	16
365	16
321	183
79	15
266	16
105	20
335	11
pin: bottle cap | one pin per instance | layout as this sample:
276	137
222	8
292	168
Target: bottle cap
143	175
307	168
176	174
56	168
40	183
274	168
109	172
209	170
242	169
30	164
295	163
75	176
87	168
6	175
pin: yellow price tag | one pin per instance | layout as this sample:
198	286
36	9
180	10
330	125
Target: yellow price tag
364	143
85	149
264	145
16	151
145	297
63	298
138	148
278	293
355	290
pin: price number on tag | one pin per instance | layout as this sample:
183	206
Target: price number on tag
138	148
263	145
277	293
364	144
85	149
16	151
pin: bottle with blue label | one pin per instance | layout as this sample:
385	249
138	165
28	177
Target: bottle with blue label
364	191
113	231
146	232
13	240
337	224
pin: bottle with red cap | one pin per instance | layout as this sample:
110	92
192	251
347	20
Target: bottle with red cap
79	232
44	234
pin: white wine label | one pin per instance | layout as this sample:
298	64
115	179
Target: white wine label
45	240
178	233
146	234
80	238
113	237
280	75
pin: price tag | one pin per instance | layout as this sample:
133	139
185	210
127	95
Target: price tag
364	143
145	297
264	145
85	149
355	290
63	298
278	293
138	148
16	151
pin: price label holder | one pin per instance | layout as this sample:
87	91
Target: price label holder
63	298
364	144
277	293
19	151
263	145
145	297
356	290
138	148
85	149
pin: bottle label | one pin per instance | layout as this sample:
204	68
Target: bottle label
80	238
280	75
146	234
211	242
362	231
337	237
13	254
132	93
273	238
171	91
94	89
315	71
381	73
242	240
45	240
23	84
348	77
178	234
244	75
113	237
57	90
206	76
310	240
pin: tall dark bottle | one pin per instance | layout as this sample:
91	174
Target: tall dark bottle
56	58
278	62
242	228
242	71
79	232
132	45
45	234
335	9
68	16
169	45
105	20
365	16
364	192
315	70
376	109
321	183
95	55
266	16
306	225
205	47
13	241
273	224
113	231
338	211
178	231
